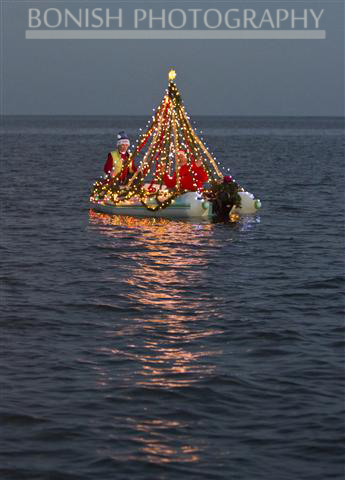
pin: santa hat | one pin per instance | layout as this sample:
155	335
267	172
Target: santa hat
122	138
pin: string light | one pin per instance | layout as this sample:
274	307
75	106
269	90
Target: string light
169	131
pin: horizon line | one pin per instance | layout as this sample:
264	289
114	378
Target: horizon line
145	115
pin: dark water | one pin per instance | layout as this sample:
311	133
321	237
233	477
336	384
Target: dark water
140	350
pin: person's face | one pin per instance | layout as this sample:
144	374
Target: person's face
198	162
181	158
123	147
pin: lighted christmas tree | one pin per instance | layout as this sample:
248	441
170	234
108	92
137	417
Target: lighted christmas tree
159	177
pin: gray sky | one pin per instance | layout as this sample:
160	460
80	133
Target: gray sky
128	77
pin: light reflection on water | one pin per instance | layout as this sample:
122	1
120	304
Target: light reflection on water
168	274
166	271
156	441
159	278
155	434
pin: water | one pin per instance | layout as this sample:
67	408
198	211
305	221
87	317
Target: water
133	349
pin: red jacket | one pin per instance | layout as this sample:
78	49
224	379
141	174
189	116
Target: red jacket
188	181
108	166
200	175
129	169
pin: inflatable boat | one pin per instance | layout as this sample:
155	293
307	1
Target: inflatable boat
188	205
175	175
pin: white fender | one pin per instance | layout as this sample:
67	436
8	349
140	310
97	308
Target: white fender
249	204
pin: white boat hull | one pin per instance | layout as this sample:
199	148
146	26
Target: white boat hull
188	205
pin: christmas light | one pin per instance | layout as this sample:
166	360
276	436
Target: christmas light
157	150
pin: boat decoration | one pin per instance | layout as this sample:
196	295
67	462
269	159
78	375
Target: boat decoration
176	174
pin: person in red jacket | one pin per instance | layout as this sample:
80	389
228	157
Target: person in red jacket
199	173
119	165
190	177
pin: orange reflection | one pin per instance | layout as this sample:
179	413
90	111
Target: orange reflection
157	439
165	344
171	263
155	445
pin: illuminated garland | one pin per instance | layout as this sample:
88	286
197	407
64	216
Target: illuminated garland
169	131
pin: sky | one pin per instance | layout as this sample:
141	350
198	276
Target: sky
215	77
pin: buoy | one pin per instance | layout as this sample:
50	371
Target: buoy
257	204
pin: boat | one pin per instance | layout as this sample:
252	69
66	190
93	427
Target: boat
177	176
187	205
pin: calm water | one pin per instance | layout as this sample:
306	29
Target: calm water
139	350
